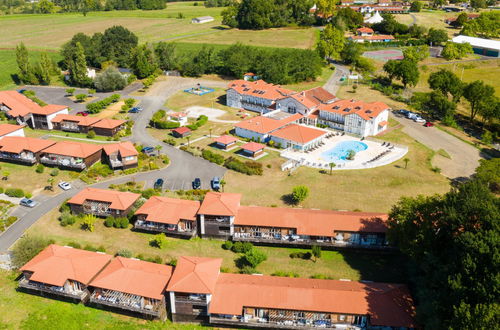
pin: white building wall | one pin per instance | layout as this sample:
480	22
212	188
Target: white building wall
19	132
291	105
52	116
172	302
233	99
244	133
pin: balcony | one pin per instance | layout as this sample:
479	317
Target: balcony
162	228
191	299
56	290
70	128
122	301
18	158
277	322
115	163
65	162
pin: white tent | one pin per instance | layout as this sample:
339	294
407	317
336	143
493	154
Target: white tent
376	18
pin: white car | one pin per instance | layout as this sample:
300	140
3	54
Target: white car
419	120
64	185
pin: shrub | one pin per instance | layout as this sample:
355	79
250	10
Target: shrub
241	247
254	257
28	195
121	222
124	253
40	168
322	277
248	167
67	219
158	241
14	192
80	97
54	172
301	255
27	248
227	245
110	80
64	207
109	222
91	134
148	193
285	274
75	245
1	190
170	141
155	259
299	194
98	106
129	102
88	222
202	120
212	157
92	248
247	269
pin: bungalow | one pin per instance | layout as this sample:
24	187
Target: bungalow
62	271
24	150
11	130
451	20
355	117
180	117
253	149
367	34
102	202
132	285
298	137
310	227
72	123
225	142
108	127
383	8
168	215
27	112
73	155
270	302
191	288
121	155
259	128
217	214
181	132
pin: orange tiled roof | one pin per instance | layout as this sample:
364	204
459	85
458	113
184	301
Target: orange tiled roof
9	128
298	133
145	279
57	264
195	275
365	30
374	37
365	110
387	304
216	203
119	200
21	105
108	123
169	210
260	89
311	222
263	124
181	130
16	144
253	146
225	139
382	123
313	97
81	120
124	148
73	149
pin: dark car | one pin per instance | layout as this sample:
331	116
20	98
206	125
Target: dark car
197	183
135	110
148	150
215	183
158	184
428	124
403	112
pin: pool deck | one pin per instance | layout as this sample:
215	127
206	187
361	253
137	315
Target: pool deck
362	160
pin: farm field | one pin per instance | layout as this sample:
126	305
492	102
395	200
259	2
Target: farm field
428	19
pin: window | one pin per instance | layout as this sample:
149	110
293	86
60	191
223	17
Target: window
281	313
342	317
359	123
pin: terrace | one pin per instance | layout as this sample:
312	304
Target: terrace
130	302
73	162
187	229
71	289
70	126
22	157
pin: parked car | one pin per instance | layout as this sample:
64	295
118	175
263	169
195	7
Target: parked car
21	91
197	183
428	124
135	110
158	184
28	202
403	112
148	150
411	115
64	185
82	113
419	119
215	183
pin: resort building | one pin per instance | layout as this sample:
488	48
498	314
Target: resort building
181	132
132	285
480	46
108	127
305	102
11	130
27	112
259	128
355	117
72	123
298	137
73	155
310	227
367	34
172	216
62	271
225	142
103	202
217	213
24	150
121	155
191	288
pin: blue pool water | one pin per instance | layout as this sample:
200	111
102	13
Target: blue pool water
339	153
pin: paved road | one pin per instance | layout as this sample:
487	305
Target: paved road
333	83
464	157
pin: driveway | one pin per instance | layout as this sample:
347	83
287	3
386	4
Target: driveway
464	157
333	83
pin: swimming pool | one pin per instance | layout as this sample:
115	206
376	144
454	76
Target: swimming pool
340	151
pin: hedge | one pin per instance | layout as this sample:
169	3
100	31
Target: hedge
158	122
248	167
202	120
14	192
98	106
212	157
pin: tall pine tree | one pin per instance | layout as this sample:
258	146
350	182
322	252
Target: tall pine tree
78	66
26	72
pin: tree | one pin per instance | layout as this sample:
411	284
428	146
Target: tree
166	56
416	53
44	70
326	7
332	165
299	194
26	74
453	243
88	222
158	148
256	14
447	83
158	241
78	67
416	6
488	172
405	70
489	109
26	248
222	184
476	4
70	91
143	61
6	175
364	65
254	257
476	92
406	160
439	106
45	7
80	97
437	36
331	42
462	18
117	44
351	52
50	181
391	67
416	31
110	80
452	51
316	252
346	18
229	15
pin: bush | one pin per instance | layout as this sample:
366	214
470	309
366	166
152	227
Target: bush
40	168
67	219
28	195
124	253
301	255
92	248
170	141
158	121
212	157
322	277
241	247
91	134
75	245
54	172
98	106
248	167
110	80
158	241
254	257
299	194
247	269
14	192
27	248
109	222
88	222
148	193
202	120
227	245
285	274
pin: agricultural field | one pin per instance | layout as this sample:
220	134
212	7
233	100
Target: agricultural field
428	19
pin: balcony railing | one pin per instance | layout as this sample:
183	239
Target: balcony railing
154	310
115	163
63	162
162	228
58	290
15	157
70	128
283	323
191	300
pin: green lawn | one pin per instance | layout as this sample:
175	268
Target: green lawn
25	311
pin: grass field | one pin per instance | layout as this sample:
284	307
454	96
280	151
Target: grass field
428	19
29	312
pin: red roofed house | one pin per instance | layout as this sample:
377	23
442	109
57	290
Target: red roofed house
132	285
72	123
24	150
298	137
168	215
26	111
121	155
253	149
225	141
11	130
73	155
108	127
308	227
102	202
366	34
181	132
180	117
191	288
355	117
258	128
62	271
217	213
